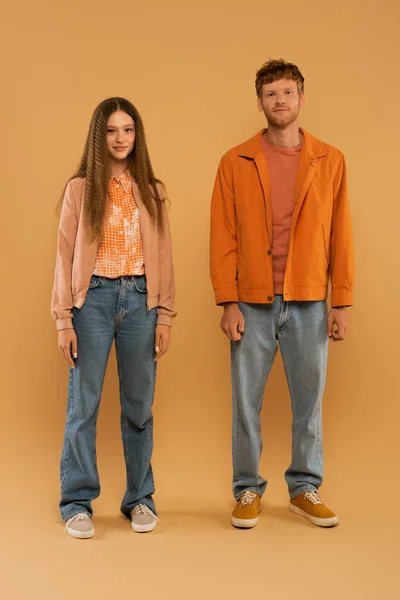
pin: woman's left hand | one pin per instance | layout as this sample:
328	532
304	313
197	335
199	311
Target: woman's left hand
163	337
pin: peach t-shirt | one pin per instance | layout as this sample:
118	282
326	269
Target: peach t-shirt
283	164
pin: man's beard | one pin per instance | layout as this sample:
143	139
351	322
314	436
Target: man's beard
274	119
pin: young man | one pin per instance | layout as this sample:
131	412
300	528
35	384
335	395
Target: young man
280	226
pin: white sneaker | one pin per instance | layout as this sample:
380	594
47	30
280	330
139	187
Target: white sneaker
80	526
143	519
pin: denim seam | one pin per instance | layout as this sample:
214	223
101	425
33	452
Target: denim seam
123	424
236	438
236	417
149	424
319	432
67	459
319	439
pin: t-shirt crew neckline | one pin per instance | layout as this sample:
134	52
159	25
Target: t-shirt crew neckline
281	149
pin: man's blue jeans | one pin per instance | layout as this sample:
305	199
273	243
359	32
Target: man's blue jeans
300	329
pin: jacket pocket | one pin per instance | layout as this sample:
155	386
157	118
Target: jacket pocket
325	247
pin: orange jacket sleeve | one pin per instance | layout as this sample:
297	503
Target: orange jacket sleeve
224	243
341	244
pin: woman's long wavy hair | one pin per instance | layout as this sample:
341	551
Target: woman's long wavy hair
95	166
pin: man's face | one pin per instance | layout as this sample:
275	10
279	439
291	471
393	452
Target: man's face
281	102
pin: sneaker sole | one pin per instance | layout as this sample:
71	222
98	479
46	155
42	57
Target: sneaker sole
81	535
244	523
331	522
143	528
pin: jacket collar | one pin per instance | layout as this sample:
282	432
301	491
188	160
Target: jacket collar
312	146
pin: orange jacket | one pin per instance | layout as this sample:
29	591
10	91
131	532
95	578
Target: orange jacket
320	237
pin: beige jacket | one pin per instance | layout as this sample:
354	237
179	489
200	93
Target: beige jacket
76	257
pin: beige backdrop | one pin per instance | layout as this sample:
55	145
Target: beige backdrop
189	68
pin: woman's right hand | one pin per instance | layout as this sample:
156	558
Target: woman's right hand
68	345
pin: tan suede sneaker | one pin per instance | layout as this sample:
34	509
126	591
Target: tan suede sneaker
310	506
245	513
80	526
143	519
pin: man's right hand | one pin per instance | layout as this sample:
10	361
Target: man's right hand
67	345
232	322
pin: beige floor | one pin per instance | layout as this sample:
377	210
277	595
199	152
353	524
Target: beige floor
194	553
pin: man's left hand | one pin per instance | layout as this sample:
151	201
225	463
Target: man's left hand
337	324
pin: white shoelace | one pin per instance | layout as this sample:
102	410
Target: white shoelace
142	509
313	497
78	517
247	498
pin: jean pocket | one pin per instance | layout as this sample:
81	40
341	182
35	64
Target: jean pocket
140	284
94	281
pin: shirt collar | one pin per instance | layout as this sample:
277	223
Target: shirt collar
125	179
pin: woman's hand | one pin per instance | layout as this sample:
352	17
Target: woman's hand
163	337
67	345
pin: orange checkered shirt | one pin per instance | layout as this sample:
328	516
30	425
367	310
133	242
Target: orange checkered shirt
121	249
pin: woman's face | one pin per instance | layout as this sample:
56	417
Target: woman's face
120	135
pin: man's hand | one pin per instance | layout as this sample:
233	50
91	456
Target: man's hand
67	345
337	324
163	338
232	322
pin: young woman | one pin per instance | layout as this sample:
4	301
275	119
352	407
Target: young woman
113	281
